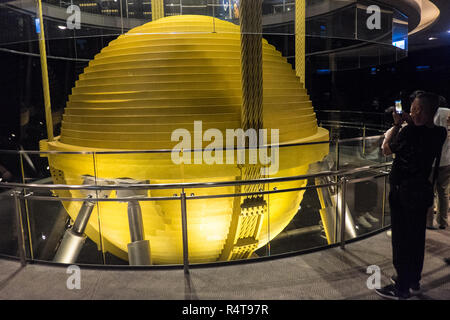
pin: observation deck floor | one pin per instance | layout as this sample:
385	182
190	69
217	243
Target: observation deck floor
329	274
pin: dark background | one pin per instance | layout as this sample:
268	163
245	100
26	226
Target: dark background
373	88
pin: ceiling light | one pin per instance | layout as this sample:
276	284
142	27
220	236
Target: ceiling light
432	38
62	27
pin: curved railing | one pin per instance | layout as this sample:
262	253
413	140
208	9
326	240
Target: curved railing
351	180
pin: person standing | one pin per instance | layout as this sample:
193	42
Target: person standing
415	147
442	118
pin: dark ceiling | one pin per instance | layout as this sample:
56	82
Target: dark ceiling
439	30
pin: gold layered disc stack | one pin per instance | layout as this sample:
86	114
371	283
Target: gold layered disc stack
160	77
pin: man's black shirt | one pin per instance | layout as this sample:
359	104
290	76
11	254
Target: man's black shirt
415	148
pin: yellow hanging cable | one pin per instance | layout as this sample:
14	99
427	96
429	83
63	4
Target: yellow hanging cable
157	9
44	71
300	34
251	64
247	220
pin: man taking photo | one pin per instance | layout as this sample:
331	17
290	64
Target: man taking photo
415	146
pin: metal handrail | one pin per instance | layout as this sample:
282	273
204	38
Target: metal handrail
30	196
349	111
193	185
286	145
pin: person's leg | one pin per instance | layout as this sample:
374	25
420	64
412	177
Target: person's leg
399	290
417	245
400	246
442	192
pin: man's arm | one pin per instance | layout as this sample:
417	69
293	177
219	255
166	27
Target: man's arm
391	134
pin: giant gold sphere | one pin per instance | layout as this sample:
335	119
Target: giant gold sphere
159	77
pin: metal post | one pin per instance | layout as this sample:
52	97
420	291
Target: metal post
20	235
336	227
30	243
121	15
364	140
268	221
184	231
83	217
343	207
337	154
336	216
135	221
139	248
74	238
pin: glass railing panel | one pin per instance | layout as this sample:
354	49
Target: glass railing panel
228	228
371	148
289	199
351	153
11	208
231	227
365	203
8	223
36	168
303	219
59	237
359	152
58	219
342	129
109	236
140	232
160	219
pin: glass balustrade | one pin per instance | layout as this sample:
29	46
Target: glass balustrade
137	208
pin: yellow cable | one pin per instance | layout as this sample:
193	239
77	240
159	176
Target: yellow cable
300	34
157	9
44	71
250	20
245	228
